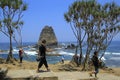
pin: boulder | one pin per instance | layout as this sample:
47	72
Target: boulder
2	60
48	34
3	72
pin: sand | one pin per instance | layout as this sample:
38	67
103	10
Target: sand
60	69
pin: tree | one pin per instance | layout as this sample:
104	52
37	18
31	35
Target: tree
94	23
108	26
81	22
11	14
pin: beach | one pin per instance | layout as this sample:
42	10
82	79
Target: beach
67	70
74	38
58	68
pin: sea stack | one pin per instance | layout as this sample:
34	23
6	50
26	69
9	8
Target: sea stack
48	34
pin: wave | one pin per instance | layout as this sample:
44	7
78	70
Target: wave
116	53
57	48
103	59
61	53
15	51
108	53
112	53
58	51
115	58
31	52
65	53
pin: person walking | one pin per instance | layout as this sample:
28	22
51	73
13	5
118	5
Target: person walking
42	55
95	63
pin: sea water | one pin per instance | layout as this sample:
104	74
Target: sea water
111	57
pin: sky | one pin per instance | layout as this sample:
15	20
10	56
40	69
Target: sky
48	12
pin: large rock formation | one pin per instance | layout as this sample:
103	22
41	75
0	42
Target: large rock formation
48	34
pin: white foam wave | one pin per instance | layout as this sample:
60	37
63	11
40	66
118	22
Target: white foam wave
113	53
115	58
28	52
54	52
15	50
61	53
31	52
65	53
103	59
57	48
116	53
108	53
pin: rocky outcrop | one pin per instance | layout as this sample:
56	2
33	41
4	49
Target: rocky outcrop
48	34
3	72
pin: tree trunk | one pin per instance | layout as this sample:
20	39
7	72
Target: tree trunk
10	56
80	58
80	54
85	65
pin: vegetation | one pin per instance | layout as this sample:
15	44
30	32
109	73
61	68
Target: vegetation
11	13
93	24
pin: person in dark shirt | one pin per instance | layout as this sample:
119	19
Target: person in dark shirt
95	63
21	54
42	54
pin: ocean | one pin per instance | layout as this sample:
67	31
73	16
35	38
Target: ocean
111	57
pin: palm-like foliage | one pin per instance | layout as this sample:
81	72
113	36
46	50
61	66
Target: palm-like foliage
10	19
107	26
99	24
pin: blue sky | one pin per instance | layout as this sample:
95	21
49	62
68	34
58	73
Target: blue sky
48	12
